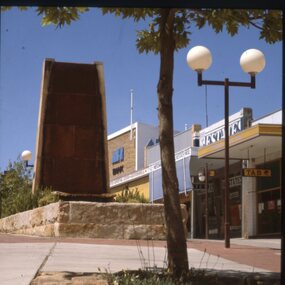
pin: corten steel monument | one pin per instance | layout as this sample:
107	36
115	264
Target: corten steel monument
71	149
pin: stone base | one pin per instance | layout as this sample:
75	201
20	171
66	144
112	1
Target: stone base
90	220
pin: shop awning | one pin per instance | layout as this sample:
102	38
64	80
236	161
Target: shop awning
256	141
197	163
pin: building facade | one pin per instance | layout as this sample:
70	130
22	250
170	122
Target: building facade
184	150
126	151
255	147
255	187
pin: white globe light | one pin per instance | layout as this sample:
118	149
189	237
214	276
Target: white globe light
252	61
201	176
26	155
199	58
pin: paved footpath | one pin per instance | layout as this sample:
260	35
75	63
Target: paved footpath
21	257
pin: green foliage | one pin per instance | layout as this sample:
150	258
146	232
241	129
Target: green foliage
131	196
148	40
60	16
136	14
7	8
46	196
16	190
268	22
19	201
140	278
160	277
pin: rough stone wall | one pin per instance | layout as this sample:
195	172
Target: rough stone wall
39	222
90	220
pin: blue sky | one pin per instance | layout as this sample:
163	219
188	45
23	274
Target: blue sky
25	44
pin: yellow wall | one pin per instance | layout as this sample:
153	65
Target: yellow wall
142	185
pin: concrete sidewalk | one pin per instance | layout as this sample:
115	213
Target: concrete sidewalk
265	243
20	261
260	243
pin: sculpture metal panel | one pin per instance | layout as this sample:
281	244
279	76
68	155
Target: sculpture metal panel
71	150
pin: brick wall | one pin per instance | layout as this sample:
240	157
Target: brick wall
128	165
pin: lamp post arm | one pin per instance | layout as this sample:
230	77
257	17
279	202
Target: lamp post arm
29	165
250	84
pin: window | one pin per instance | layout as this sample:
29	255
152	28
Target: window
265	183
118	155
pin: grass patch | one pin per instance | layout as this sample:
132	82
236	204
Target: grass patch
159	277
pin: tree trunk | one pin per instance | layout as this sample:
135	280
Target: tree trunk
176	240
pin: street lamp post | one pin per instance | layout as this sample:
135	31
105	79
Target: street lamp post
26	156
252	61
203	177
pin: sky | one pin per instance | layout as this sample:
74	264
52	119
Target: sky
109	39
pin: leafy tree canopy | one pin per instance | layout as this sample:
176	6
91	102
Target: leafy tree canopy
16	190
268	22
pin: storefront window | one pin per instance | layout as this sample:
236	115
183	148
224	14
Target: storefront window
269	200
265	183
235	211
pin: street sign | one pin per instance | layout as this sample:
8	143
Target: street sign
211	173
256	172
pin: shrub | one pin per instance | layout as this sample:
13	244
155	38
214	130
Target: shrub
131	196
143	277
46	196
16	190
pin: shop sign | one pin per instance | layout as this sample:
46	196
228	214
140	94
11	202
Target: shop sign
213	231
118	170
235	181
235	228
256	172
211	173
201	187
129	177
219	134
178	156
234	195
